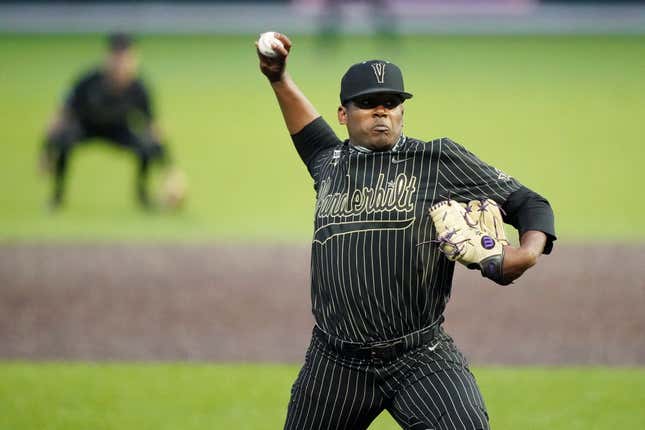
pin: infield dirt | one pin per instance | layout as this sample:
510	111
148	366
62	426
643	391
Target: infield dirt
581	305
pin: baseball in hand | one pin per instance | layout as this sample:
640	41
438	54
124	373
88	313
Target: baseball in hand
264	44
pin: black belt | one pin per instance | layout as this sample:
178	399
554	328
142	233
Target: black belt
385	350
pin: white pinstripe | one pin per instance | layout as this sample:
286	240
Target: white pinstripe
326	401
471	402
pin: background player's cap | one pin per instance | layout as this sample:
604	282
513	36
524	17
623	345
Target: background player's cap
370	77
119	41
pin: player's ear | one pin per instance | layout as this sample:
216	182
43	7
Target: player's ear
342	115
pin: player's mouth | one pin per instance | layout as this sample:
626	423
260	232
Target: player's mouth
381	128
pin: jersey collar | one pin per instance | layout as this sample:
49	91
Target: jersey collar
397	146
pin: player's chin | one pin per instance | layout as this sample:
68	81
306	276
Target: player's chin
382	141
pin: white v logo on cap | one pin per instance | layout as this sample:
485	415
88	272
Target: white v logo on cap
379	71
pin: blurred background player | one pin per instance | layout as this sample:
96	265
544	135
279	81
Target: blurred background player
112	103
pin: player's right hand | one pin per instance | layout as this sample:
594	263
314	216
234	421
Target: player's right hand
273	68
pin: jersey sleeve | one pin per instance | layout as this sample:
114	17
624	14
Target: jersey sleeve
463	176
312	140
527	210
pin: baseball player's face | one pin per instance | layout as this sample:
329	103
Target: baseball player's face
374	121
122	66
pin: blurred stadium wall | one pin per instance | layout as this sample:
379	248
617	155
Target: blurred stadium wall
308	16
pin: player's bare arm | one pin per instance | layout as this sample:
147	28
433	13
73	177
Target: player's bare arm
518	260
296	109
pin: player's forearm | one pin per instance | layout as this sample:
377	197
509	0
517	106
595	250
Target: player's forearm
518	260
297	110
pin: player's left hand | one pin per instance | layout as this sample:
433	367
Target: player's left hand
464	238
486	216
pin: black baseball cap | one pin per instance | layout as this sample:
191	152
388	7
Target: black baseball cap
119	42
372	77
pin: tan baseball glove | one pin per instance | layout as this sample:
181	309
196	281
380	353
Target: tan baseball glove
472	235
174	189
487	217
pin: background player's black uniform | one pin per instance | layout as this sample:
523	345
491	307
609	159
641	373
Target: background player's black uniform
380	285
95	109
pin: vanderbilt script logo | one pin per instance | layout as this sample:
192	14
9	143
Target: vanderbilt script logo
396	195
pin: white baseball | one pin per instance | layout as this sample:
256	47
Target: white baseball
264	44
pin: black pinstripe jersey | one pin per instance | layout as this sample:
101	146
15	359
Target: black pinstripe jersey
375	273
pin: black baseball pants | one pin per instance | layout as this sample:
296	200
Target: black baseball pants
427	387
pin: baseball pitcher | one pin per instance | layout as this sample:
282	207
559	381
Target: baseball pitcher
393	214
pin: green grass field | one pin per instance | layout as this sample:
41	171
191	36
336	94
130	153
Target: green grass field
562	114
198	396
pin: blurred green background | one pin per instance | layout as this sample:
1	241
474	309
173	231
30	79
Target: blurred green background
563	114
